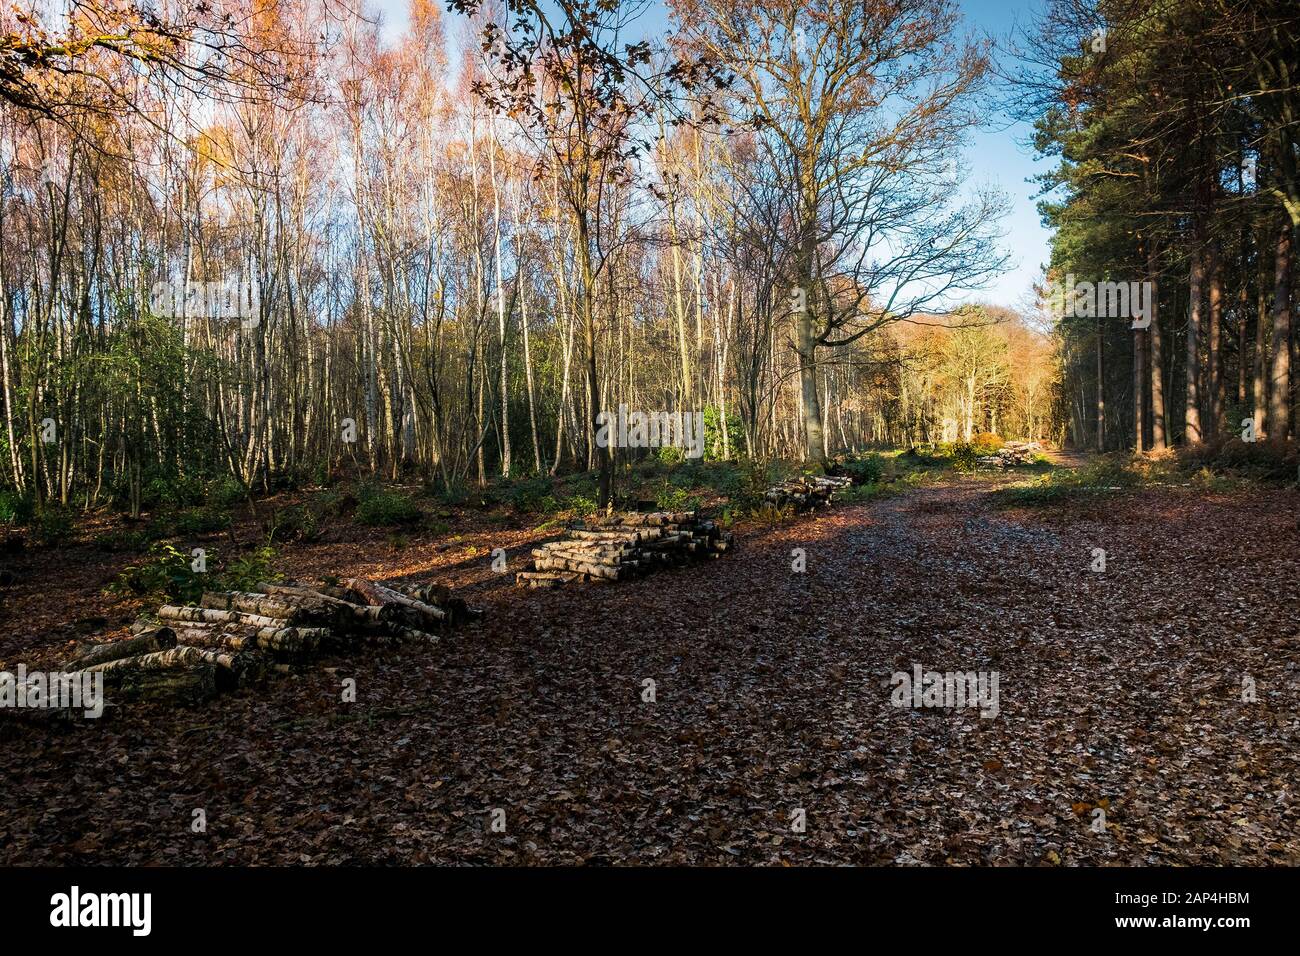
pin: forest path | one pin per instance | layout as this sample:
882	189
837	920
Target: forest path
772	694
1069	457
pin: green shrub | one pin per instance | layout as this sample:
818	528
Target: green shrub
225	493
383	507
172	491
156	491
713	432
169	572
669	455
865	471
164	570
16	508
533	496
193	521
855	494
334	503
294	523
168	491
743	484
963	457
1041	492
137	540
53	525
1266	459
773	514
244	572
1206	480
671	498
727	478
582	505
1103	475
453	494
689	474
585	483
1107	472
928	456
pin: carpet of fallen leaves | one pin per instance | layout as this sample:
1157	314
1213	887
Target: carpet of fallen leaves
1120	690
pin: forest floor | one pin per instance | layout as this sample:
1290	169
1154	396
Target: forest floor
1120	691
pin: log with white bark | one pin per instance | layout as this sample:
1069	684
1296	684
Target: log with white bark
587	556
146	641
293	609
379	594
546	579
229	670
209	615
282	643
441	596
640	520
595	571
176	658
252	603
430	593
349	603
342	593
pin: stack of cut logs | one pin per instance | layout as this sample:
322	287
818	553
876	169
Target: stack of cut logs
1013	453
620	546
233	638
807	493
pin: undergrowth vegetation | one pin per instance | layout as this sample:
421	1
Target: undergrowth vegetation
386	507
198	512
1213	466
166	571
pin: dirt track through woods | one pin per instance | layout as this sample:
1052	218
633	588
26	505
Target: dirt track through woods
1120	690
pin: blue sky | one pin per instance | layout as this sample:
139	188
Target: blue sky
1002	156
998	156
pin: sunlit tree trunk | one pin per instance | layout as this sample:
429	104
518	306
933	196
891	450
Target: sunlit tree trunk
1279	404
1194	312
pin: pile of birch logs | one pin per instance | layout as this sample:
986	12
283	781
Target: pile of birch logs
234	638
621	546
1013	453
807	493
